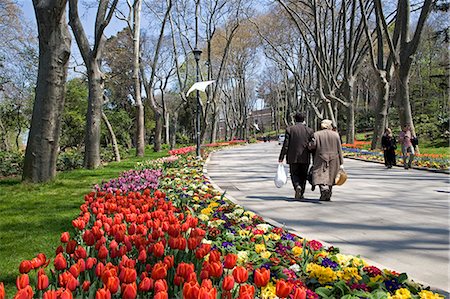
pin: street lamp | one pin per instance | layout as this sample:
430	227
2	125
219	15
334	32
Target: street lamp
197	54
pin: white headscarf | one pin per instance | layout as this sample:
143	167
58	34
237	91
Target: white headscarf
326	124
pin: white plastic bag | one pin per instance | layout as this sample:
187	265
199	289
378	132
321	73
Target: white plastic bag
280	177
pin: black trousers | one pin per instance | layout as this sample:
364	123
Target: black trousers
299	173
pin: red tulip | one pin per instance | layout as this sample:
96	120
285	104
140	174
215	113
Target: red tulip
22	281
25	293
80	253
228	283
25	267
158	249
145	285
159	271
72	283
65	237
261	277
70	246
113	284
283	288
161	285
169	261
42	281
60	262
191	290
214	256
299	293
66	294
216	269
86	285
205	293
182	243
161	295
2	291
129	291
50	294
103	294
99	269
90	262
230	261
240	274
128	275
102	252
142	256
246	291
75	270
88	238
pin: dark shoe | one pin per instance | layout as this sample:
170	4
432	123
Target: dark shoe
298	192
325	195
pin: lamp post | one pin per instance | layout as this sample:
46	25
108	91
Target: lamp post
197	54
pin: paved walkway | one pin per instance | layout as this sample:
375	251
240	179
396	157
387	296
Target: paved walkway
397	219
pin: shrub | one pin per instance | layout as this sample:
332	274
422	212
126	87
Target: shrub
11	163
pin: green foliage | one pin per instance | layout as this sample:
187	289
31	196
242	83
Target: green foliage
182	139
11	163
122	126
74	115
70	159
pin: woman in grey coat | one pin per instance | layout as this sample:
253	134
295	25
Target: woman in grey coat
327	158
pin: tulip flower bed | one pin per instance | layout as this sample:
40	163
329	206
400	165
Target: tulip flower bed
433	161
186	240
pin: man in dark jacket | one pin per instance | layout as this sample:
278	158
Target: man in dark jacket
295	148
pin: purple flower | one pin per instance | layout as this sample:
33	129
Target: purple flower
326	262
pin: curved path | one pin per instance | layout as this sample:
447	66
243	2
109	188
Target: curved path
397	219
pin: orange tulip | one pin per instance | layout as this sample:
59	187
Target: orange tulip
216	269
129	291
261	277
299	293
240	274
191	290
159	271
214	256
246	291
66	294
113	284
283	288
158	249
206	293
161	295
103	294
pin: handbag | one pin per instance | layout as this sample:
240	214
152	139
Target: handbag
341	177
280	177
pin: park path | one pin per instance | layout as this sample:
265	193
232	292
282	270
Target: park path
397	219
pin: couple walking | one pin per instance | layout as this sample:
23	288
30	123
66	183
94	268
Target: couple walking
325	146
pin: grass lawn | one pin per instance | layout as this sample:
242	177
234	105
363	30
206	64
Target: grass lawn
33	216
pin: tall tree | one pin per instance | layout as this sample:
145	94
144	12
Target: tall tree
92	60
54	52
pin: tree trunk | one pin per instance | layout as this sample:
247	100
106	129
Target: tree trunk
140	125
158	131
402	97
381	109
167	128
349	95
54	51
93	117
214	123
113	137
173	130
